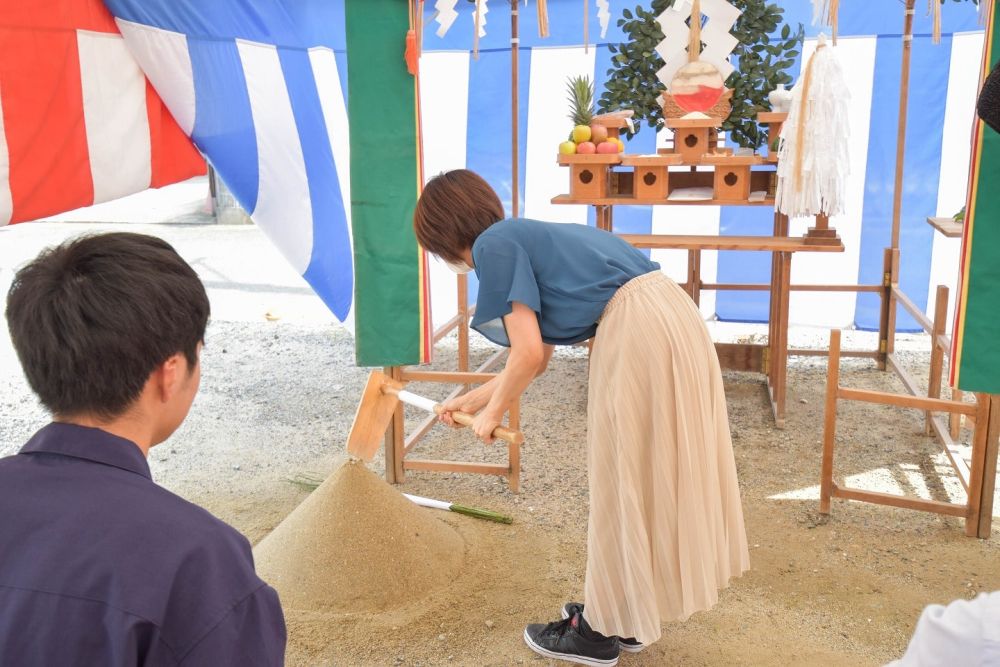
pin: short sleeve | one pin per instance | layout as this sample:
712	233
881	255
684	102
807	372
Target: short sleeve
505	276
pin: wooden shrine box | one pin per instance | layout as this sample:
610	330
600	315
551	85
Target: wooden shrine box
774	121
732	175
693	137
588	174
652	178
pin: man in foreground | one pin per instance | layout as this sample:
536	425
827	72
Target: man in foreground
98	564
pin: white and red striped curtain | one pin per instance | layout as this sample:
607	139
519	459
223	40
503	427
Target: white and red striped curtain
79	123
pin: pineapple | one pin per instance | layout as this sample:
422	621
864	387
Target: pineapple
581	99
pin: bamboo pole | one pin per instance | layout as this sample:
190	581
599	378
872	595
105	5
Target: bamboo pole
887	328
475	34
904	94
515	45
694	32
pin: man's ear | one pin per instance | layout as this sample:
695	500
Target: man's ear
167	377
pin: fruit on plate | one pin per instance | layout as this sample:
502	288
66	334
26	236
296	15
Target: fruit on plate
581	133
607	147
598	133
567	148
621	145
586	148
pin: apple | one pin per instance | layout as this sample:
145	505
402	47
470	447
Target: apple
586	147
609	147
567	148
621	145
581	133
598	133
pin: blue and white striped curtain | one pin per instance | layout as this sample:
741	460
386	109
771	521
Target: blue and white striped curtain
467	124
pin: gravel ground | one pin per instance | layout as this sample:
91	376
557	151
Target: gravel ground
277	399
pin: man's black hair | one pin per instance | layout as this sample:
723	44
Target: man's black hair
90	319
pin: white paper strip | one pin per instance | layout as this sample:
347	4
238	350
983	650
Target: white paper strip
445	15
603	16
483	10
719	42
675	38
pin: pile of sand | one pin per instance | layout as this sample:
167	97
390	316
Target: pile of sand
357	545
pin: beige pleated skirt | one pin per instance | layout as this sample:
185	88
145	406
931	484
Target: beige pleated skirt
666	524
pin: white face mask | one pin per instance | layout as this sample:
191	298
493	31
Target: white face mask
458	267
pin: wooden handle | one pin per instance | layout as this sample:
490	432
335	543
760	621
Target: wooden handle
463	418
500	432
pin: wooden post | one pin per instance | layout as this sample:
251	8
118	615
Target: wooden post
515	45
694	275
772	305
955	419
514	451
886	294
937	354
977	469
463	323
830	422
890	340
395	446
989	469
777	343
781	353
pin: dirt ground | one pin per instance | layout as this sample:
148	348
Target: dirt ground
844	590
277	399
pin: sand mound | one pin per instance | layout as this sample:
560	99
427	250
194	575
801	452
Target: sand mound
357	545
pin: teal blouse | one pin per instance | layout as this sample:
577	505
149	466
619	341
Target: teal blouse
566	273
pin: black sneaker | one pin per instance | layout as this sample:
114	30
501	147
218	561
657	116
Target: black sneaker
571	640
630	645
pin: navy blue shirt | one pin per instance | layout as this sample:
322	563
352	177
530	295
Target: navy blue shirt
566	273
100	566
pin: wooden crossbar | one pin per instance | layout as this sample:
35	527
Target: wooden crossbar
457	466
905	401
912	308
706	242
764	287
906	502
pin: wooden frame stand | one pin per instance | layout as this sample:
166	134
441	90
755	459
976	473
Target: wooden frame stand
978	477
399	446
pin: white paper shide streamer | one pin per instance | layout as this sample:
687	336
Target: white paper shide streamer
603	16
814	140
719	42
483	9
445	15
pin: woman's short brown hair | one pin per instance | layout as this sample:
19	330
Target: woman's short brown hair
454	209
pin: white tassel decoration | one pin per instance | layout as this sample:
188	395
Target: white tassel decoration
813	158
